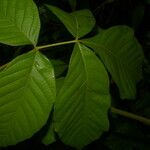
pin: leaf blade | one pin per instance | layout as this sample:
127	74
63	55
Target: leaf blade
122	56
27	94
80	114
19	22
78	23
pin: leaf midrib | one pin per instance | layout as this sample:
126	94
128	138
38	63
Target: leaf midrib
86	90
25	84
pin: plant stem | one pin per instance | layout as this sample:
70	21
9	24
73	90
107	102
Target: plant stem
47	46
130	115
56	44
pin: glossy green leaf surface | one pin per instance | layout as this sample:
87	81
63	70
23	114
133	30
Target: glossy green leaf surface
27	94
80	114
19	22
78	23
122	56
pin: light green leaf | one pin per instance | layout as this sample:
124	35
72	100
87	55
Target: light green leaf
80	114
19	22
122	55
78	23
27	94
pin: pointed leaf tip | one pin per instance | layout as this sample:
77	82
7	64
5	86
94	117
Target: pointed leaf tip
78	23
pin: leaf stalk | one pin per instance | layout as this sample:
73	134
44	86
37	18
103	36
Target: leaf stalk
130	115
57	44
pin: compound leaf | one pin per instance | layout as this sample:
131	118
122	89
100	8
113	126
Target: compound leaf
122	55
80	114
19	22
78	23
27	94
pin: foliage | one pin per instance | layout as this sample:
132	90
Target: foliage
67	92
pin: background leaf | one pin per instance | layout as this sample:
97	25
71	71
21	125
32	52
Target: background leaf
49	138
59	67
73	4
80	114
137	16
78	23
27	93
19	22
148	1
59	83
122	55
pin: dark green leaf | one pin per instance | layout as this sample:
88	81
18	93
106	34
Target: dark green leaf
73	4
50	135
59	67
49	138
59	83
137	16
148	1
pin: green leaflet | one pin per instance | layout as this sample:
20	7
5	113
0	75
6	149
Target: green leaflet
80	114
19	22
122	55
27	94
78	23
